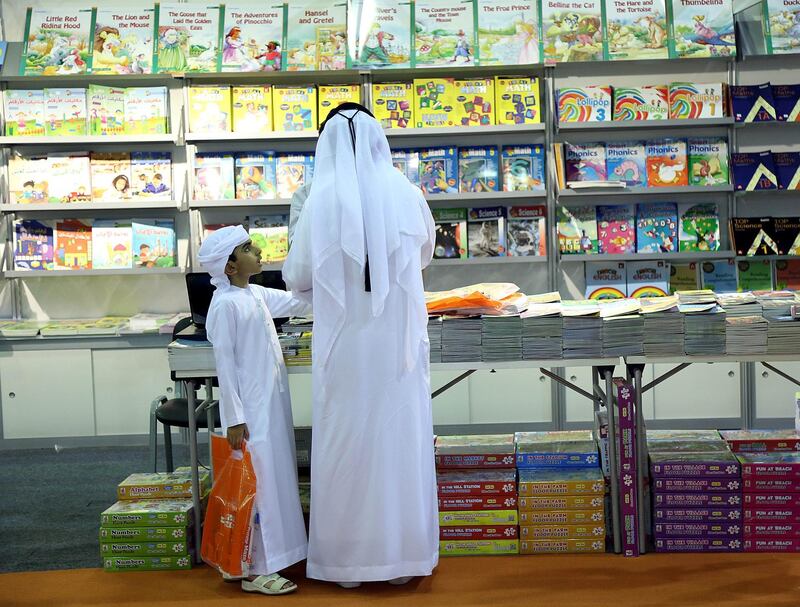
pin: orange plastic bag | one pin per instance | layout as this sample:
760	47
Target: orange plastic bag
229	515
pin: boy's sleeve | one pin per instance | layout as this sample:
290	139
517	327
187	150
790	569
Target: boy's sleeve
285	303
221	331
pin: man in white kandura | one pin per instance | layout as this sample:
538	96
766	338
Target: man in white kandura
363	237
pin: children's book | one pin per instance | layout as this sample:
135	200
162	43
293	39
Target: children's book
255	176
292	172
486	232
252	109
787	233
65	112
787	101
647	278
753	171
111	244
434	102
585	162
213	177
393	104
316	35
474	102
755	275
605	280
380	34
572	32
188	38
626	161
787	274
407	162
516	100
641	103
616	229
28	179
70	178
779	19
636	30
699	227
708	161
478	169
444	33
124	40
294	108
656	227
667	163
577	230
151	175
701	30
683	277
451	233
438	170
270	233
33	245
754	236
209	108
787	167
585	104
106	110
527	228
154	243
252	37
523	168
111	176
57	42
146	110
692	100
753	103
24	112
331	96
719	276
73	245
508	32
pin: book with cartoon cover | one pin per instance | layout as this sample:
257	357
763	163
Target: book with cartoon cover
70	178
111	176
151	175
592	103
106	106
434	102
188	38
648	278
380	34
111	244
641	103
516	100
255	176
444	33
214	177
719	275
451	233
316	35
585	162
636	30
701	29
627	162
209	108
407	162
527	229
572	32
478	169
605	280
577	230
293	171
252	109
252	37
486	232
523	168
667	163
271	234
124	40
438	170
616	230
73	245
699	227
708	161
57	42
146	110
65	112
474	102
24	112
154	243
294	108
28	179
656	227
33	245
508	32
331	96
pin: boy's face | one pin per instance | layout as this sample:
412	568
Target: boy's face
248	260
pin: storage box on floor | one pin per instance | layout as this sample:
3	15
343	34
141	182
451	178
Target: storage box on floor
151	526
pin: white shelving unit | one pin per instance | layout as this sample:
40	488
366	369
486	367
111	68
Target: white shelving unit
115	140
25	209
79	273
645	124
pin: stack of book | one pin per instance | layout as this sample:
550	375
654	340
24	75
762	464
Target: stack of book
542	332
663	326
704	329
501	338
477	492
295	341
461	339
740	304
435	338
583	336
783	334
746	335
623	335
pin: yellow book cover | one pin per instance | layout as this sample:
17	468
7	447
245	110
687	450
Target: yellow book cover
471	547
294	108
434	100
209	109
561	502
474	102
252	109
332	96
562	517
478	517
393	104
517	100
562	546
550	532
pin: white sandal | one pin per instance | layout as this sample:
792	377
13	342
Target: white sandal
269	584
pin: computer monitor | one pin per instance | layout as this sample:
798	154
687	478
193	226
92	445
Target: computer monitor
200	290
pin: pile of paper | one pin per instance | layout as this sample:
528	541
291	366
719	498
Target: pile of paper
663	326
542	331
501	338
583	329
435	338
783	334
704	329
739	304
746	335
461	339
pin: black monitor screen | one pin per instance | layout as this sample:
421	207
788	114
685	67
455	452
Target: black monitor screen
200	291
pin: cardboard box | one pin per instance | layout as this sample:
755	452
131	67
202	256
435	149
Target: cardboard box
148	513
668	530
540	482
561	546
697	500
500	460
471	483
771	465
771	515
760	484
773	500
144	534
532	532
500	532
478	519
478	547
144	548
562	502
160	485
562	517
146	563
478	502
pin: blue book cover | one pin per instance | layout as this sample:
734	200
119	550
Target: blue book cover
407	162
523	168
33	245
438	170
478	169
656	227
626	161
787	102
292	171
557	460
719	276
255	176
151	175
753	171
214	177
753	103
787	166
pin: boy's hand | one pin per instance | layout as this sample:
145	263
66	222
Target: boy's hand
237	435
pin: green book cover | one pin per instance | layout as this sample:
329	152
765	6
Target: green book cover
708	161
572	34
380	34
123	41
57	42
636	30
509	32
445	33
188	38
701	29
698	227
781	21
755	275
316	36
252	38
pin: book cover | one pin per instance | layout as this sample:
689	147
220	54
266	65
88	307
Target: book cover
65	112
73	245
754	236
33	245
255	176
699	227
24	112
407	162
708	161
641	103
585	162
701	30
605	280
292	171
393	104
111	176
516	100
379	34
106	106
209	108
779	21
755	275
270	233
451	233
252	37
577	230
508	32
683	277
444	33
70	178
787	233
656	227
627	161
572	32
692	100
28	179
252	109
188	38
719	276
57	42
154	244
636	30
316	35
523	168
294	108
331	96
752	103
527	228
585	104
214	177
787	167
474	102
151	175
111	244
787	101
146	110
438	170
486	232
667	163
787	274
478	169
647	278
616	230
124	40
434	102
753	171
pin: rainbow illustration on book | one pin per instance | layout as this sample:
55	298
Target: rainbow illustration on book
587	104
693	101
645	103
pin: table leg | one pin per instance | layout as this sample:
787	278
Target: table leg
210	423
612	460
641	455
198	518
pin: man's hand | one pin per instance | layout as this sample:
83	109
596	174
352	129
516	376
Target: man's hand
237	435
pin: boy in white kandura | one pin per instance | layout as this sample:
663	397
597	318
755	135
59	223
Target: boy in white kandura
255	404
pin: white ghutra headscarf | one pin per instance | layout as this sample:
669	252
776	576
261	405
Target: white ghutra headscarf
216	249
